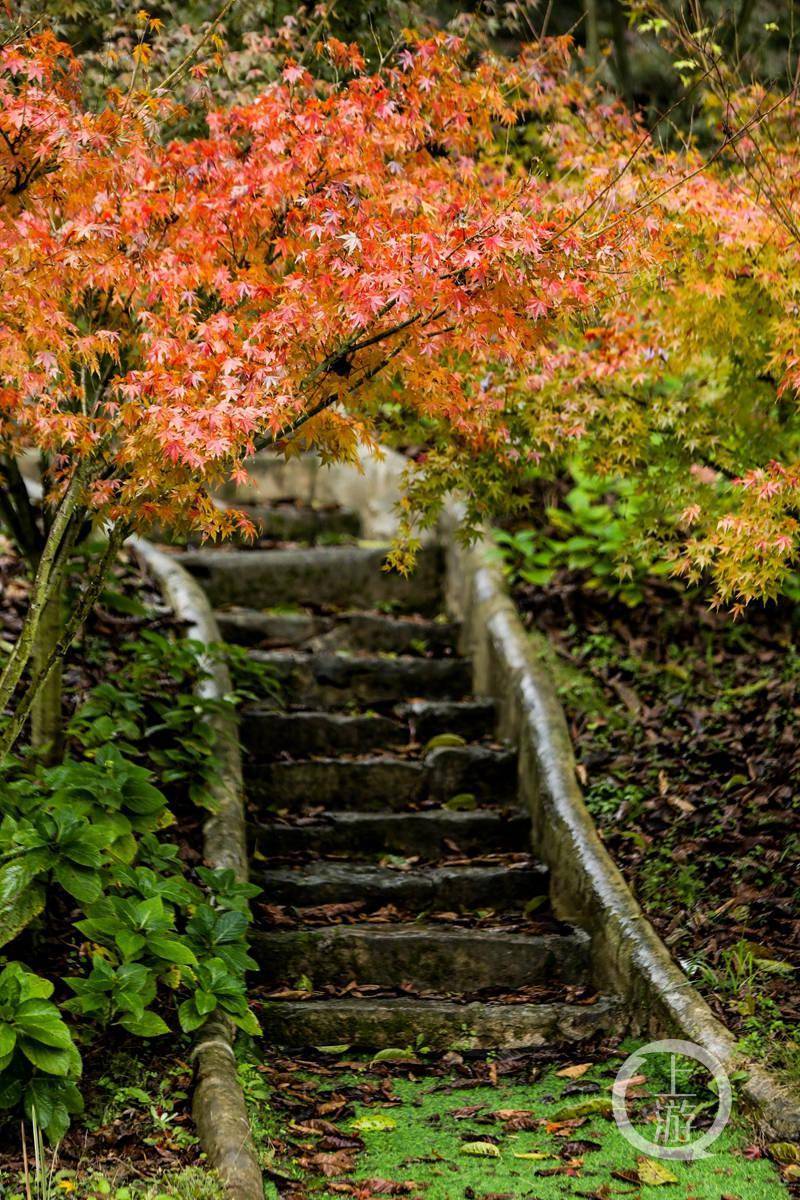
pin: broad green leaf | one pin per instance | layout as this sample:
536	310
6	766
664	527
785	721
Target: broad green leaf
148	1025
205	1002
41	1020
189	1017
171	950
47	1058
8	1039
130	943
18	912
81	883
247	1022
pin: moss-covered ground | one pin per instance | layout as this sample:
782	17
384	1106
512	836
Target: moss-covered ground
485	1132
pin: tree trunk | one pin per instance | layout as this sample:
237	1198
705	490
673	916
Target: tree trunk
47	726
592	33
47	730
60	645
60	539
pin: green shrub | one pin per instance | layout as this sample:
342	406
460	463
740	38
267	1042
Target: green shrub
167	951
39	1061
591	532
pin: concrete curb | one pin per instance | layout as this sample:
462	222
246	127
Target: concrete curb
587	887
218	1105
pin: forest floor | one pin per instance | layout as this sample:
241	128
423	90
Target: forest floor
686	728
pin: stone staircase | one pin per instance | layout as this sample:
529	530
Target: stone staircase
402	904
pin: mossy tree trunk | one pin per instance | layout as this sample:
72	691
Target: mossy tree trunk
47	728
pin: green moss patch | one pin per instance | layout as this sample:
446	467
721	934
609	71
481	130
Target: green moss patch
482	1130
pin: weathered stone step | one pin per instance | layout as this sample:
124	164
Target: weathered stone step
328	680
489	775
406	833
315	578
377	633
267	732
368	783
470	719
380	1024
450	960
292	521
385	782
418	890
248	627
357	631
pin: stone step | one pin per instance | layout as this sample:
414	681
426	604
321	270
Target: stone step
356	631
248	627
377	633
432	957
489	775
367	784
385	782
470	719
268	732
405	833
441	1025
293	521
320	577
328	680
418	890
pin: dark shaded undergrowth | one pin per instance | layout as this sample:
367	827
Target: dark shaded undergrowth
685	725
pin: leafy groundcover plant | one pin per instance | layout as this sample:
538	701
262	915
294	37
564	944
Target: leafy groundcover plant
112	928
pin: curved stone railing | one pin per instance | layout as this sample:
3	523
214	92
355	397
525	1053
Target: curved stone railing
218	1104
587	887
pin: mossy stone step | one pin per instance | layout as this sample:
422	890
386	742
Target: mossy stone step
316	577
441	1025
450	960
490	775
368	783
406	833
268	732
469	719
374	633
328	680
385	782
247	627
382	634
295	522
417	890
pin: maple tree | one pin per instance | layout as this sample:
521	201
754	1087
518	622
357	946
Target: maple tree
691	390
170	307
449	244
